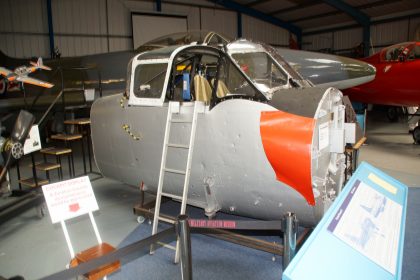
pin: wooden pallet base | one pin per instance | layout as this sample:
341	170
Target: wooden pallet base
96	252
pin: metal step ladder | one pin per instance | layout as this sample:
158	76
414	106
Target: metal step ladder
174	109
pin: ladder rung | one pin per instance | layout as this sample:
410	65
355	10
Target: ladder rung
172	195
166	245
178	146
174	171
166	220
181	121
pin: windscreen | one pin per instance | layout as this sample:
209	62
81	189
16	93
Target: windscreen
261	69
149	80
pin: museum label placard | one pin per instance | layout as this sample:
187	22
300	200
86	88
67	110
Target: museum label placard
69	199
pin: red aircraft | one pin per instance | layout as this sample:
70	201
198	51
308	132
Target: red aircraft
396	82
397	71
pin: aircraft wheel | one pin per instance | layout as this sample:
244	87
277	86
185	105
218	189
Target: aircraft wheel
416	135
393	114
140	219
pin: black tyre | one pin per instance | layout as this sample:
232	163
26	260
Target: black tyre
416	135
393	114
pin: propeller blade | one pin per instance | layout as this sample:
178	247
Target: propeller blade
22	127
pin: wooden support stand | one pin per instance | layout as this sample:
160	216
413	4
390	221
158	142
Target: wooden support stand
96	252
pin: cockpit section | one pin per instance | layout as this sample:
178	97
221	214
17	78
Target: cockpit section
401	52
208	74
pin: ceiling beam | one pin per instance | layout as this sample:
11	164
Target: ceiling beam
294	8
259	15
353	12
256	2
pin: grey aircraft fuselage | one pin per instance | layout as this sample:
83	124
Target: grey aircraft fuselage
239	134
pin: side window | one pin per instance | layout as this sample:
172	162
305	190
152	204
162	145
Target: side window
149	80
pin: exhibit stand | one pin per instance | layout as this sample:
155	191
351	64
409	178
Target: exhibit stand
361	236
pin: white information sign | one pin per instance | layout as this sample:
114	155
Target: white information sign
370	223
69	199
33	141
323	136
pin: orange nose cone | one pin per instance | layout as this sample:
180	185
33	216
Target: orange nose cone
287	142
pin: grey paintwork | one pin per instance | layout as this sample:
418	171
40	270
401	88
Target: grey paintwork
329	70
228	156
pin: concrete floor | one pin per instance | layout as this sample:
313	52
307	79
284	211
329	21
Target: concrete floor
390	148
33	247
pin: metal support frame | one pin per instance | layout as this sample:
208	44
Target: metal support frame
159	5
144	211
184	237
290	226
239	23
50	28
261	16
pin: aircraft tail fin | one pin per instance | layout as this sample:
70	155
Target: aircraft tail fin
40	64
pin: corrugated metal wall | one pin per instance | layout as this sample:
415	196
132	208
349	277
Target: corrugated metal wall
97	26
348	38
389	33
259	30
80	27
119	26
382	34
221	21
338	41
317	42
24	28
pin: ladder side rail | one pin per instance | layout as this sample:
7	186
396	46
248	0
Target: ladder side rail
188	171
189	158
161	174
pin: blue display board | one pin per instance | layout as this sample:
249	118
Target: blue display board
362	234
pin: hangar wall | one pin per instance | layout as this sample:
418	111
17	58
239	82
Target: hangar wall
24	27
382	34
97	26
